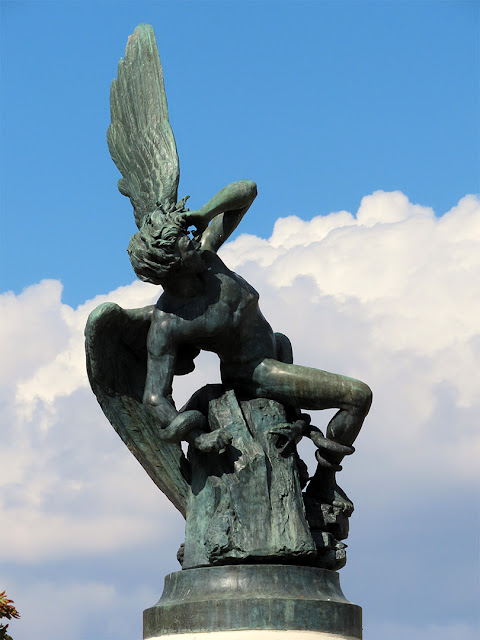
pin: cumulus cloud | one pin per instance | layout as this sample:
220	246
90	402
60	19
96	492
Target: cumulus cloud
76	610
61	463
387	295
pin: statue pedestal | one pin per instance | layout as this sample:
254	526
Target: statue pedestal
253	602
257	635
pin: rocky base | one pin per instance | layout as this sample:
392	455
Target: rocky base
245	504
253	598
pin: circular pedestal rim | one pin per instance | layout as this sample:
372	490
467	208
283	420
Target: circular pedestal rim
234	598
255	634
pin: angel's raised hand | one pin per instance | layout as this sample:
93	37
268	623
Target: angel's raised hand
197	220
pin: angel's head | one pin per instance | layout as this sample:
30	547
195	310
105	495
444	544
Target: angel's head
154	251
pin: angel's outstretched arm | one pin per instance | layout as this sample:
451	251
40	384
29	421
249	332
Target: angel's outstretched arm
175	426
222	214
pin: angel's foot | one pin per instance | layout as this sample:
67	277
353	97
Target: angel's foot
342	501
324	488
214	442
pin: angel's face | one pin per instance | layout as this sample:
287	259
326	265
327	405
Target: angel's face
191	255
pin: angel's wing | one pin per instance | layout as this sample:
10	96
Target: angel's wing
140	137
115	342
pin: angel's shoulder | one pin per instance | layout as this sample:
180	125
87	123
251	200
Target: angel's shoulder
163	315
168	317
212	261
165	331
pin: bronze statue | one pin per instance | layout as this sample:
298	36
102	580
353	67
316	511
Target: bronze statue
254	418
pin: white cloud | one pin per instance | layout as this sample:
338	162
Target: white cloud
63	374
389	296
68	485
388	207
76	610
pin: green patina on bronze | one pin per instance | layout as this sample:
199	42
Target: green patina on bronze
243	488
254	597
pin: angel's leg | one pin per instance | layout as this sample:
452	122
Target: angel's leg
312	389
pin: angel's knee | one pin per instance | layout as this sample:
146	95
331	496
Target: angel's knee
362	399
151	399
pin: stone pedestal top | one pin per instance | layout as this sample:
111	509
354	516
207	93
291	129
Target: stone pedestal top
285	602
256	635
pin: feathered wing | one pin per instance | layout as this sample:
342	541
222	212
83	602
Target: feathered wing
115	342
140	138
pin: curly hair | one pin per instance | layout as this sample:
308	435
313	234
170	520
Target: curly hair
153	250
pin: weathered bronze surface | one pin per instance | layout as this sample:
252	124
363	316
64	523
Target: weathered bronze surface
243	489
257	597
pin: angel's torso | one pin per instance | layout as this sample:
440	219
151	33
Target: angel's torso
224	317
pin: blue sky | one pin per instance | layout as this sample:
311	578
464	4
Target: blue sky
370	109
318	102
